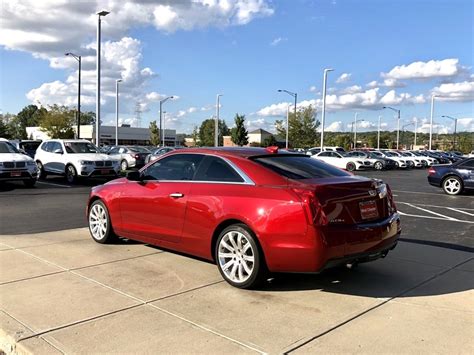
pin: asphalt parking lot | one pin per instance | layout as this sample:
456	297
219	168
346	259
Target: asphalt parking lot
62	293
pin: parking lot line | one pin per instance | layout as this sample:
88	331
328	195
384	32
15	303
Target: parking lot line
429	193
432	217
461	210
52	184
457	209
426	210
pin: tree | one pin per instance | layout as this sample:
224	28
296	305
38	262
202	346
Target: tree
239	132
302	132
58	122
206	132
154	134
269	141
372	141
4	131
87	118
195	135
344	141
29	116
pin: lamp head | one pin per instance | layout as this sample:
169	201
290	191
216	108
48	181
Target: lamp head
103	13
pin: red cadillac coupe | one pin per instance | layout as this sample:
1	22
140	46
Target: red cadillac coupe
250	210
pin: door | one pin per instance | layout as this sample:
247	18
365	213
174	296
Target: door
155	208
54	160
466	170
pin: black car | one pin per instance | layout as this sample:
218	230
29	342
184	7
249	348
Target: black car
453	178
27	146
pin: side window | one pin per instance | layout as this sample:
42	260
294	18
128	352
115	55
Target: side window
122	150
46	147
55	146
467	164
325	154
216	169
352	154
176	167
113	151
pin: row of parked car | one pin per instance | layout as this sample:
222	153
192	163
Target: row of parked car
382	159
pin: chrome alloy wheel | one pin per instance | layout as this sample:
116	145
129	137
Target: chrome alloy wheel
236	257
452	186
98	222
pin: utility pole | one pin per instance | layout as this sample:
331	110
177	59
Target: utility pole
325	77
216	126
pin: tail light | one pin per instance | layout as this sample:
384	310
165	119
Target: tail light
391	202
135	156
312	207
431	171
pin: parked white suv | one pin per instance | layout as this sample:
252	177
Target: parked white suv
74	158
15	165
342	161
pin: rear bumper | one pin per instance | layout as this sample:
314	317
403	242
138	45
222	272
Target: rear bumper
435	181
324	247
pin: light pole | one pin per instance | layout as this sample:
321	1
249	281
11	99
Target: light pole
216	125
455	129
378	133
416	128
287	123
325	78
431	120
78	58
398	121
295	96
162	133
407	125
97	95
354	128
117	110
164	124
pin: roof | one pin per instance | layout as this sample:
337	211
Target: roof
259	131
243	152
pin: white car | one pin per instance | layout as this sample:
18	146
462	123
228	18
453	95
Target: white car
74	158
427	161
15	165
471	155
417	163
400	161
342	161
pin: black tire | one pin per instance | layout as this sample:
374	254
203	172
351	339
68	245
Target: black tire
71	174
123	165
378	165
42	173
29	182
350	166
102	237
239	257
452	185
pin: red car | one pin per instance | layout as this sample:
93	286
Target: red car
250	210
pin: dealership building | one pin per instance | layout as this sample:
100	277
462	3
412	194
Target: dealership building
127	135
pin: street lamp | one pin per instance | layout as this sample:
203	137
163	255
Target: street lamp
216	126
97	95
354	128
295	96
407	125
398	121
455	128
431	119
378	133
325	78
287	124
162	133
78	58
164	124
117	109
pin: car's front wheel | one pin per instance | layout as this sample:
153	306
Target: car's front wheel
42	172
71	174
238	257
350	166
124	165
100	226
378	165
452	185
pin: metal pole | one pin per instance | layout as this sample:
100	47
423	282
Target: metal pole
161	123
325	75
164	123
398	128
355	130
117	110
431	121
287	123
216	125
287	126
79	100
416	127
378	134
455	134
97	95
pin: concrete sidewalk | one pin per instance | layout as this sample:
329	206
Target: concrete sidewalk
61	292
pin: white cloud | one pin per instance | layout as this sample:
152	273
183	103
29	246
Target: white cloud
387	83
277	41
345	77
466	124
425	70
462	91
336	126
351	89
313	89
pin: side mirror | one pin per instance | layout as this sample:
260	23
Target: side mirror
58	151
134	176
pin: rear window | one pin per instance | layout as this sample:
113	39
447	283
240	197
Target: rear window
299	167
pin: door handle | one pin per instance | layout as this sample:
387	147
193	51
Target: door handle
176	195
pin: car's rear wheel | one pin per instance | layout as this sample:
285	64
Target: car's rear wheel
350	166
378	165
71	174
124	165
239	258
452	185
100	226
29	182
42	173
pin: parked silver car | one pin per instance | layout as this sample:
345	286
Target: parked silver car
129	156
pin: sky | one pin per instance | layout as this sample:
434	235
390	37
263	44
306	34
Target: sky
384	53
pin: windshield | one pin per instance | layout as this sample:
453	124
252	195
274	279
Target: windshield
80	147
299	167
406	154
390	154
377	154
139	150
374	155
6	147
